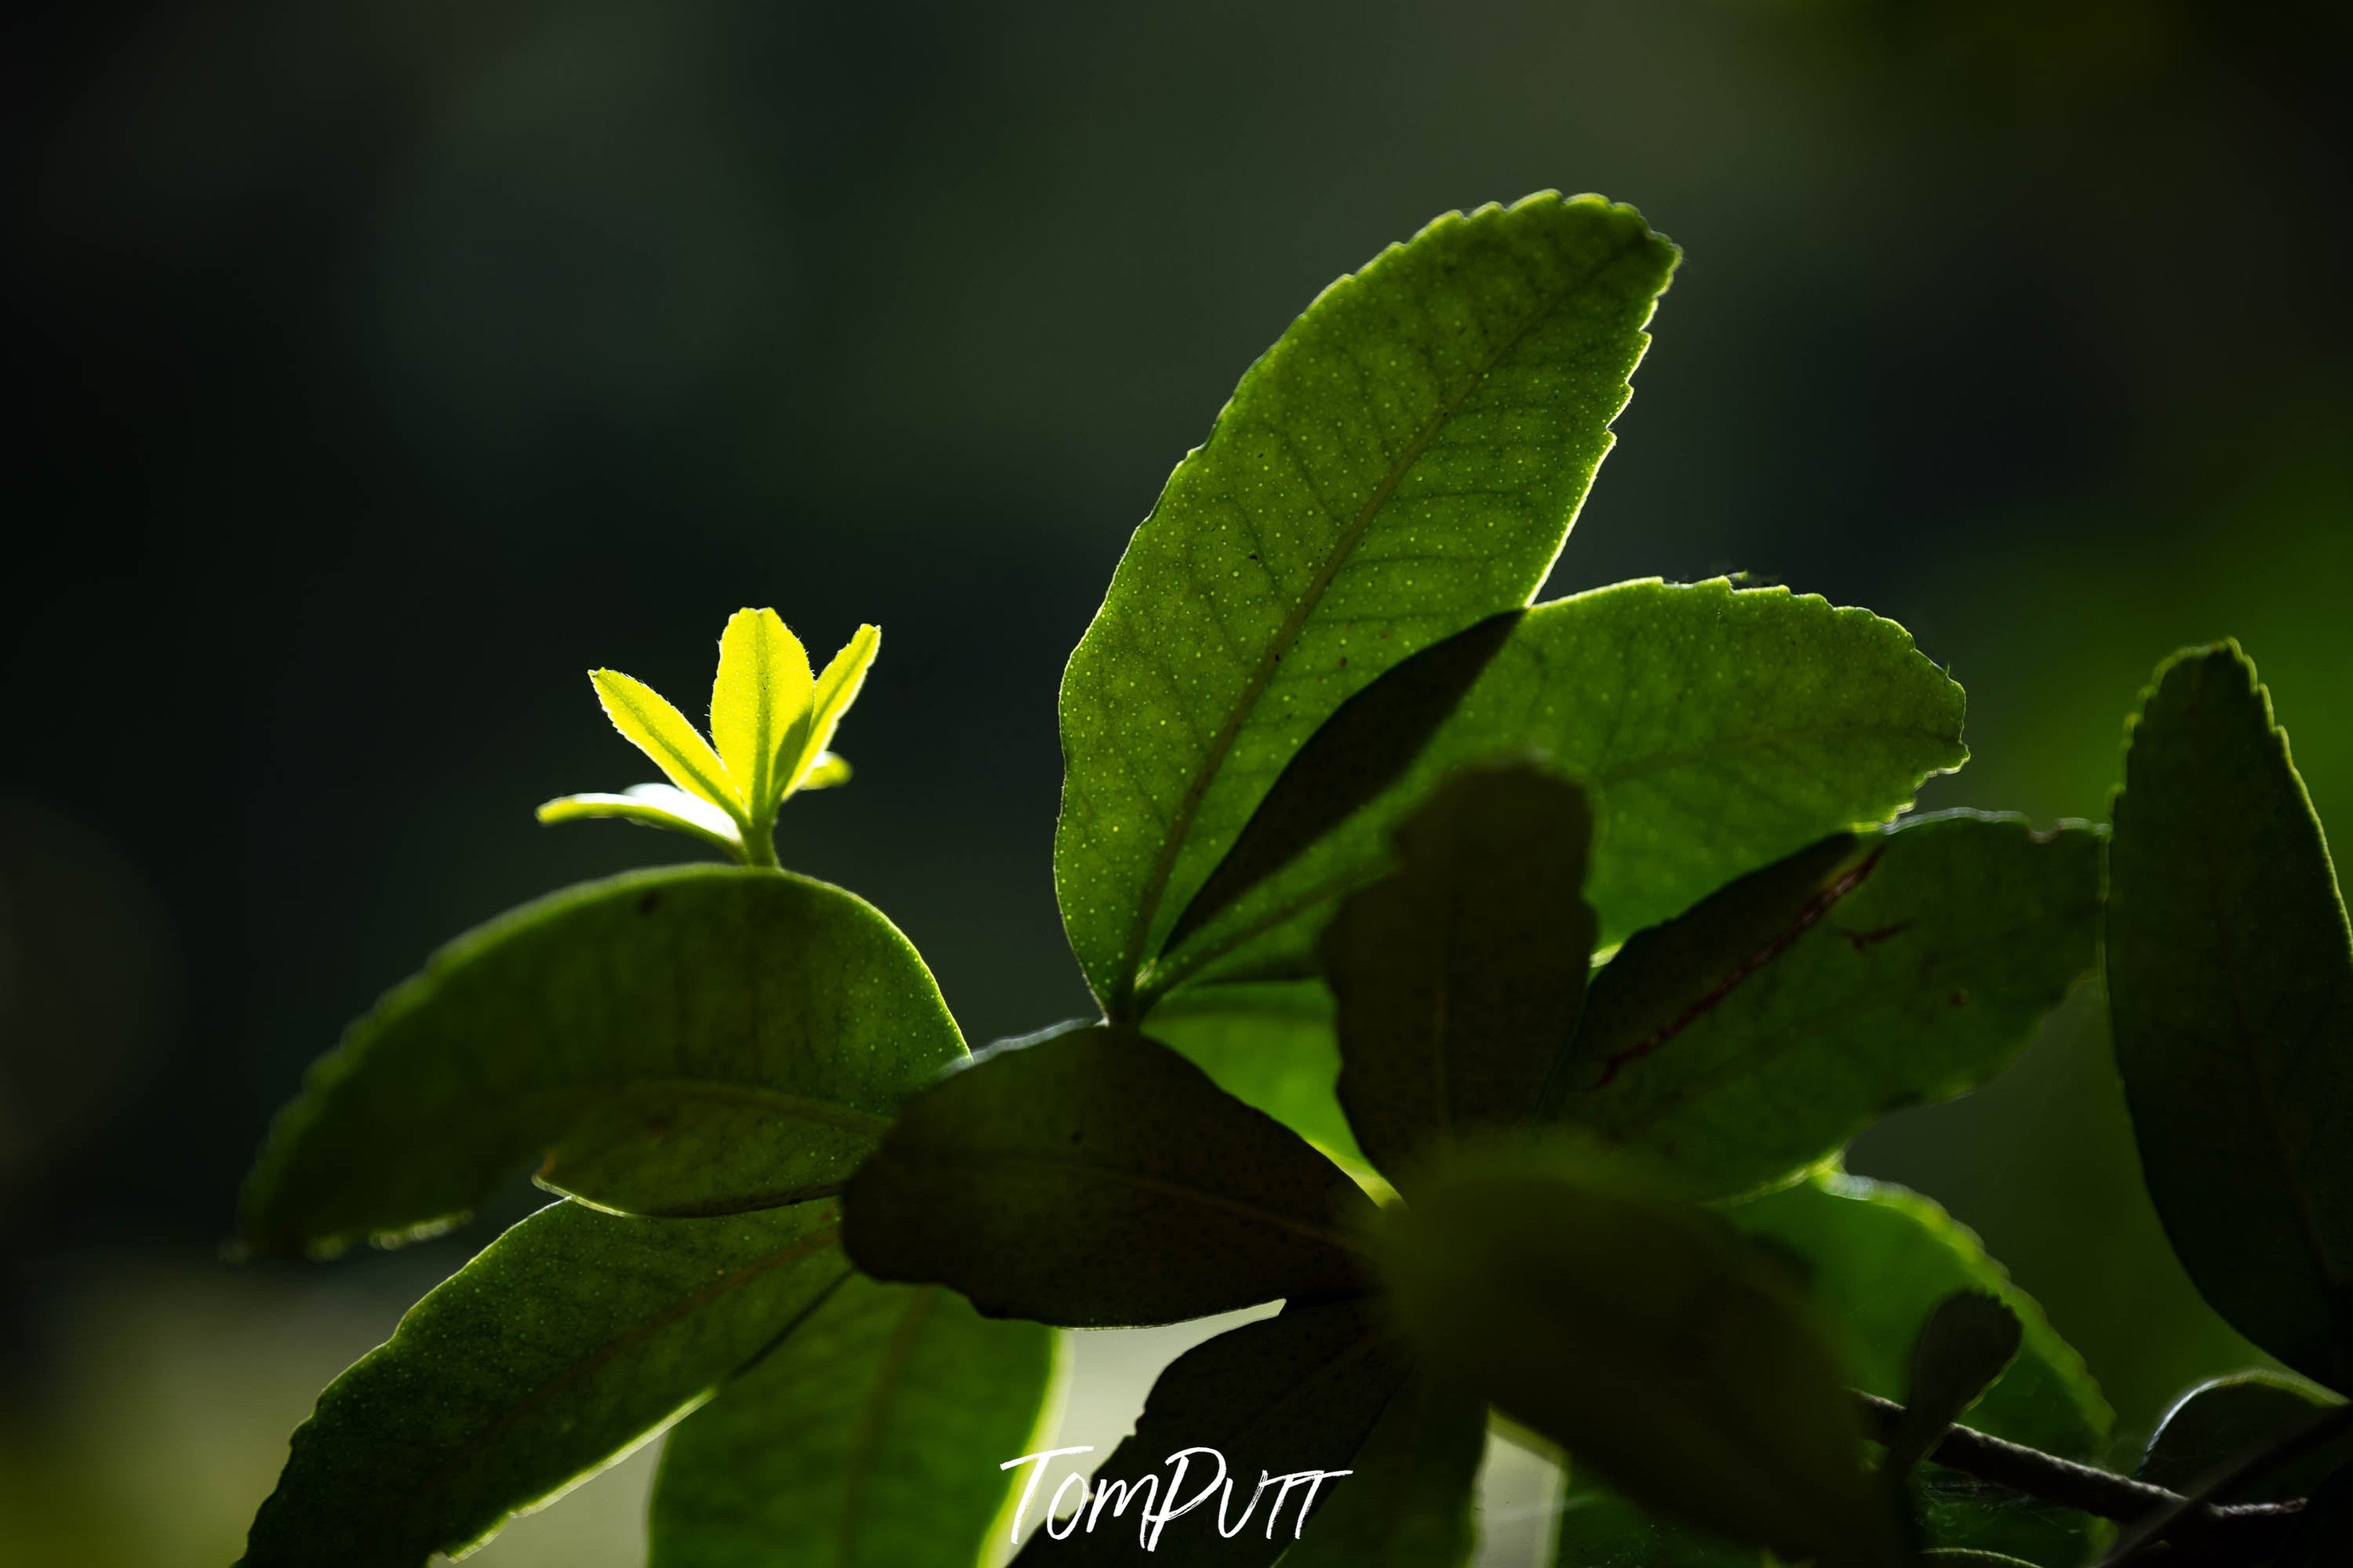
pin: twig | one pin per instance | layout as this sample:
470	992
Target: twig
2200	1530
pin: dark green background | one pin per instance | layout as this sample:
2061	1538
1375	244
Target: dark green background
389	364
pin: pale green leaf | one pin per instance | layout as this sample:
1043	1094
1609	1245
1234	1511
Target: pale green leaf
837	688
869	1438
2231	988
687	1040
1404	462
654	806
761	694
570	1339
825	771
1759	1032
663	733
1716	730
1653	1345
1094	1178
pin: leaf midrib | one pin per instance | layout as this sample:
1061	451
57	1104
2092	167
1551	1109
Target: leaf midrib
893	1370
1222	743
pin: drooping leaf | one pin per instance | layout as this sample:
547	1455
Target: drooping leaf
1653	1345
646	716
1410	1503
675	1041
1759	1032
762	693
868	1438
653	805
1404	462
2230	989
1294	1393
1269	1045
826	771
1094	1178
1877	1260
1969	1336
2224	1417
566	1342
1715	729
1460	976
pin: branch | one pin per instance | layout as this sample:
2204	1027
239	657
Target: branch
2196	1532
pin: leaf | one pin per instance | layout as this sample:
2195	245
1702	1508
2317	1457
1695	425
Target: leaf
679	1041
663	733
1360	751
653	805
1096	1179
1404	462
1410	1503
1969	1339
1459	976
866	1439
570	1339
1598	1528
1716	730
763	692
2221	1419
1649	1342
1878	1259
1270	1047
811	765
1759	1032
2230	989
1287	1395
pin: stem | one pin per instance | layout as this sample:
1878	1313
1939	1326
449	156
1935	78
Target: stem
2240	1532
760	844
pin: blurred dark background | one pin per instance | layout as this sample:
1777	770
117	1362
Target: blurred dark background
386	365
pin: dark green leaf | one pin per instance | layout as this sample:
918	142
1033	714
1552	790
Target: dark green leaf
1715	732
1653	1345
1269	1044
571	1338
2230	987
1460	976
1096	1179
1599	1528
869	1438
1969	1339
1367	744
1765	1029
2218	1421
685	1041
1287	1395
1410	1503
1402	464
1878	1259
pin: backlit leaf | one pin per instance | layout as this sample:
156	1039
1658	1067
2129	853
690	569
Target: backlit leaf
761	694
570	1339
682	1041
653	805
646	716
1714	730
837	688
1404	462
2231	988
1269	1045
1460	976
1759	1032
1096	1179
1653	1345
1410	1503
868	1438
